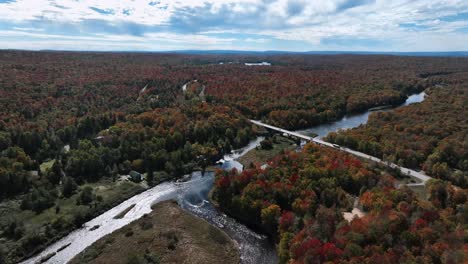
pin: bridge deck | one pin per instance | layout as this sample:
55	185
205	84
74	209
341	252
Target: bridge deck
412	173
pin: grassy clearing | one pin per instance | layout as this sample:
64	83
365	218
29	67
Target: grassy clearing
36	231
166	235
420	191
259	156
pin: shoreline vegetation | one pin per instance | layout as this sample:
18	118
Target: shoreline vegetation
435	144
66	216
166	235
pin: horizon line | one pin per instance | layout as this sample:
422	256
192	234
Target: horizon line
239	52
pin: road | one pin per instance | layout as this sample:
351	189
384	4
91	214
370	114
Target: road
406	171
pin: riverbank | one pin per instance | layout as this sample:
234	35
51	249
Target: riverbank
36	231
169	235
192	196
353	120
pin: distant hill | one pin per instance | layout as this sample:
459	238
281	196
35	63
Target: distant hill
278	52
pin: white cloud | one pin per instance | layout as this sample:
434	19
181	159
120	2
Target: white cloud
256	40
150	41
306	21
28	29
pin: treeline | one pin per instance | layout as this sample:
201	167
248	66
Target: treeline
169	141
300	198
42	90
295	97
297	92
21	152
172	141
431	135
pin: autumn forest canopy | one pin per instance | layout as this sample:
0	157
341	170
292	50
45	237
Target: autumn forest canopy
70	121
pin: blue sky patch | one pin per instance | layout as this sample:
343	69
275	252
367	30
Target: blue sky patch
413	26
102	11
352	42
457	17
353	3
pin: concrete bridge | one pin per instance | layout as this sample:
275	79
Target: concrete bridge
405	171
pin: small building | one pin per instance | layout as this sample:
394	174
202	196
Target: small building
135	176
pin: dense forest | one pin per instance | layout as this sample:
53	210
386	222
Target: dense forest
302	92
431	135
93	130
112	105
300	198
71	123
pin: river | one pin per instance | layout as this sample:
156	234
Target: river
192	196
355	120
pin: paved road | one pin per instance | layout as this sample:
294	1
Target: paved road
409	172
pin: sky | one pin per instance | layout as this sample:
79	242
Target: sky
257	25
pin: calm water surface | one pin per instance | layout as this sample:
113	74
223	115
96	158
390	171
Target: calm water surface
352	121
